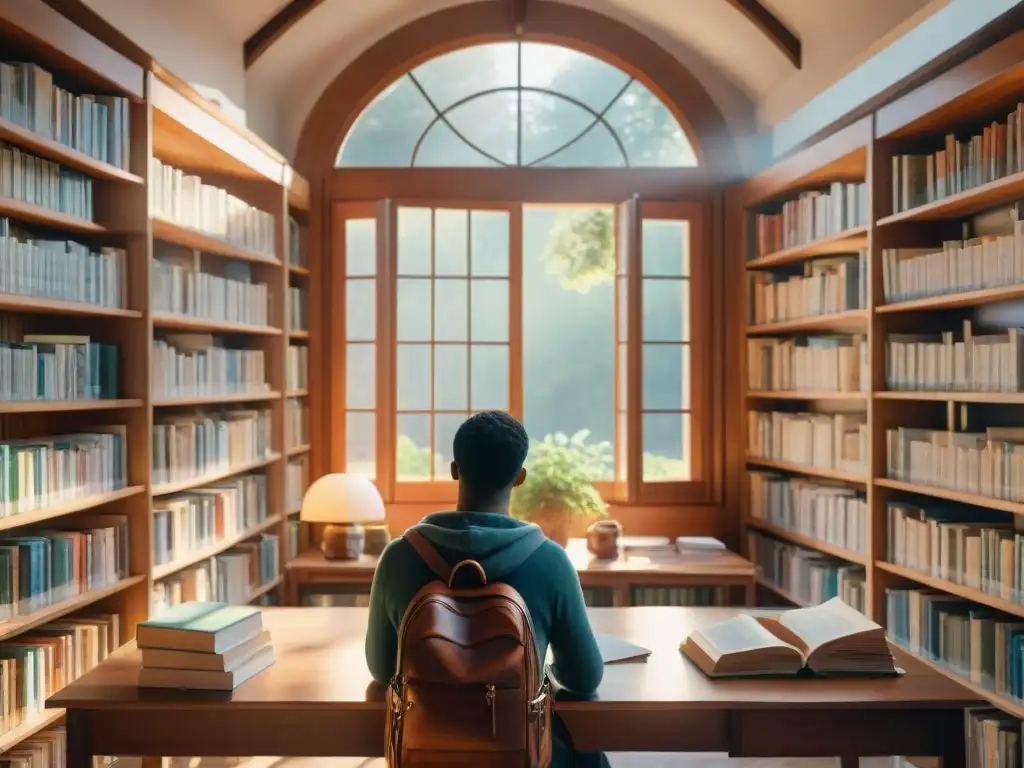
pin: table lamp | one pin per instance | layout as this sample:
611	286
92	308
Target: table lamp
344	503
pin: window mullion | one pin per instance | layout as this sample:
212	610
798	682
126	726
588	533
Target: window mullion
634	354
387	354
515	307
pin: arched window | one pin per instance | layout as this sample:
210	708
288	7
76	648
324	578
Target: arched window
517	104
517	225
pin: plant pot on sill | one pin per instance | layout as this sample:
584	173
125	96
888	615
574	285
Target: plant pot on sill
555	522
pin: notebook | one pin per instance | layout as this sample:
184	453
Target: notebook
615	650
200	628
828	639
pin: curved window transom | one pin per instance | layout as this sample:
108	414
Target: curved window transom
517	104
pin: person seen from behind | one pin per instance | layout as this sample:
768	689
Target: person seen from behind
489	451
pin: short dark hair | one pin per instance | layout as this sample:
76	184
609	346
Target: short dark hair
489	450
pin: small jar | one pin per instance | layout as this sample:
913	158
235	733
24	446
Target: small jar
603	539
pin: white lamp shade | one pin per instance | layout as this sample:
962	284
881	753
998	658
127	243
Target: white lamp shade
340	499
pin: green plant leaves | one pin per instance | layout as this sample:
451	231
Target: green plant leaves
561	472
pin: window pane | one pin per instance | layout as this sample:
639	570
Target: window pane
442	148
666	248
359	376
445	427
414	235
549	124
489	310
489	378
451	242
488	123
666	310
573	73
413	458
563	91
360	457
451	377
360	310
666	447
451	310
597	148
460	74
360	247
387	130
666	376
414	377
413	310
653	137
568	343
489	243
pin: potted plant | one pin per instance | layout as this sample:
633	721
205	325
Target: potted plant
560	476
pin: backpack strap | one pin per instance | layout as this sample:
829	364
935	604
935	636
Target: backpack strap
429	554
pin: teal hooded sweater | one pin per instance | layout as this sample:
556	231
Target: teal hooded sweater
507	549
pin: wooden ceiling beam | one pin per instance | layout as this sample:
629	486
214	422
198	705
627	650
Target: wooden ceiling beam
772	28
762	18
275	27
518	15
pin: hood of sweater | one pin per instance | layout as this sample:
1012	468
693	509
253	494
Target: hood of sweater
498	542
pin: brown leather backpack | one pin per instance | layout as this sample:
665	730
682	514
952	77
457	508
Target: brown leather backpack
469	688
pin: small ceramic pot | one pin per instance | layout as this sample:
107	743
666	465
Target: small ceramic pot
603	539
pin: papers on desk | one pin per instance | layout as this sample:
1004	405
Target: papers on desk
615	650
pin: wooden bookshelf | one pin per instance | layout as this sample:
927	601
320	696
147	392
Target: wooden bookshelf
297	211
962	102
169	124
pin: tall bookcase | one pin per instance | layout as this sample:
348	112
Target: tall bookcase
81	543
916	513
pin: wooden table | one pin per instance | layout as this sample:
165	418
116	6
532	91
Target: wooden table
318	700
694	568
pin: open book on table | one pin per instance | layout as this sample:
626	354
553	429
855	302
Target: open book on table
828	639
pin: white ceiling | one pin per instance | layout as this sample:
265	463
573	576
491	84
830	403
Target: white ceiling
739	67
752	82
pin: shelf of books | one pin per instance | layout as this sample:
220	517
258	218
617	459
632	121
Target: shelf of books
148	312
886	461
807	337
297	429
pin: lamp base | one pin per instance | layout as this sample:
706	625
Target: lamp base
343	542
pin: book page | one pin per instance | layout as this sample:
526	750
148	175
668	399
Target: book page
738	634
825	623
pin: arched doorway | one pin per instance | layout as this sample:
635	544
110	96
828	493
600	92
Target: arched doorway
527	223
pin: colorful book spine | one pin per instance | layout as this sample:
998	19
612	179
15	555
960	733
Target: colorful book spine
40	662
38	473
98	126
190	447
47	567
297	367
187	523
804	575
178	371
61	270
58	368
44	183
825	440
829	512
186	200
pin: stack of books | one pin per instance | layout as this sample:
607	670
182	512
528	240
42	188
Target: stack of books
205	646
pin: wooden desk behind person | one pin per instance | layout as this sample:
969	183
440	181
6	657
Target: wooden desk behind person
318	700
646	577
